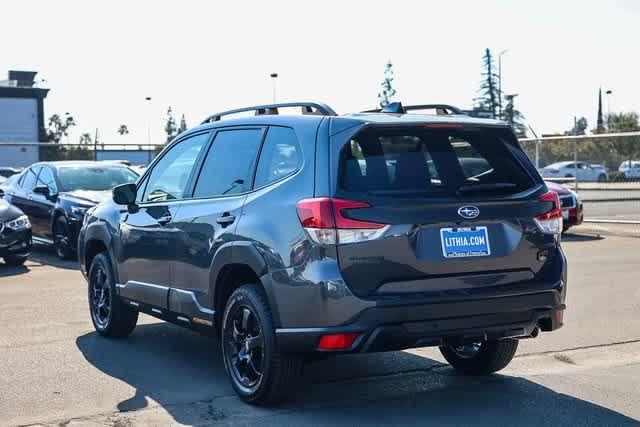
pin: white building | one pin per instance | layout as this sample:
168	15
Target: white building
21	118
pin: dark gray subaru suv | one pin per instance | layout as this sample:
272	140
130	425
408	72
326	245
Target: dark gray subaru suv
292	236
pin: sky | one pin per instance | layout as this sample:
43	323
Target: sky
101	59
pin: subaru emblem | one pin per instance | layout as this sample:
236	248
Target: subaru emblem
468	212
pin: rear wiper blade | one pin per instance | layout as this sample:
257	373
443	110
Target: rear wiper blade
485	188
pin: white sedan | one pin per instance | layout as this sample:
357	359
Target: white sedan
582	171
630	169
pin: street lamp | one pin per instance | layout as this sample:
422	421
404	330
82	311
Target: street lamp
148	101
500	80
274	77
608	93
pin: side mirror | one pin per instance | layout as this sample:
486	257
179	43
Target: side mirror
43	190
125	194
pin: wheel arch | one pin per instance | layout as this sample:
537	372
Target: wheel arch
235	264
97	239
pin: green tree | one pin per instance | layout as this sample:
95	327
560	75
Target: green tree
488	91
123	130
627	147
183	125
59	127
514	117
170	125
388	92
85	139
623	122
579	128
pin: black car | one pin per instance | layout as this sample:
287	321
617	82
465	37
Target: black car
56	195
15	234
297	236
7	171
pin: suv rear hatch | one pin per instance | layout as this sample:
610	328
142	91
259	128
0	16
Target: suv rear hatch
455	207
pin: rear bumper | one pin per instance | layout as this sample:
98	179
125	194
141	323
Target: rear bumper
399	327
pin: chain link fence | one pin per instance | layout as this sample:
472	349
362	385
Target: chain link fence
603	170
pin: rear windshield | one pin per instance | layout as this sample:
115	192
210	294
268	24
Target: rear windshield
439	162
94	178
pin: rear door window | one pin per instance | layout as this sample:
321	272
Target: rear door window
442	162
229	165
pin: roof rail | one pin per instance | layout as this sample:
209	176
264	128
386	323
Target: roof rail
441	109
314	108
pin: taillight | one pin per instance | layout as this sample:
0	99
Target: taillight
550	222
337	341
325	221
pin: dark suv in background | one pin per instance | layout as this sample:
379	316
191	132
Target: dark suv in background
56	195
293	236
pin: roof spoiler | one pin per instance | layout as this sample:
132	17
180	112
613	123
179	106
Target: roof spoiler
398	108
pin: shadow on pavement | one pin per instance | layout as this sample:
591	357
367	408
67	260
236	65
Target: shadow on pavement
7	270
571	237
173	367
44	255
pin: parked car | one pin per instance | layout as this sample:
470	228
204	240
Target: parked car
572	206
15	234
582	171
56	195
7	182
8	171
290	237
630	169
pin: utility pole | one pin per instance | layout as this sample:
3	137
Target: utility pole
274	77
148	99
575	152
500	82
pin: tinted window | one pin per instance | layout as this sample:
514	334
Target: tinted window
280	156
228	168
430	162
94	178
47	179
28	181
169	177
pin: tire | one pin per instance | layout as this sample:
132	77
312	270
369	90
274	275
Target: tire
259	375
114	318
15	260
490	356
602	178
61	239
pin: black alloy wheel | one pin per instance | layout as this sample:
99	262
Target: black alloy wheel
244	348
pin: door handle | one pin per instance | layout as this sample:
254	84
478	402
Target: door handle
164	219
225	219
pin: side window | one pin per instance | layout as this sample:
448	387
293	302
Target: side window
168	179
280	156
29	180
47	178
228	168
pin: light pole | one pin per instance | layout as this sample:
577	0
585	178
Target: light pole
608	93
274	77
500	81
148	101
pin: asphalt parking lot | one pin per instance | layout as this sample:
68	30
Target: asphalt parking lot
54	370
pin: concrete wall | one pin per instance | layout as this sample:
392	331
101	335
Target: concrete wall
135	157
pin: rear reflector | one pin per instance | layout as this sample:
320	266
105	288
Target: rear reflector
550	222
336	341
325	221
